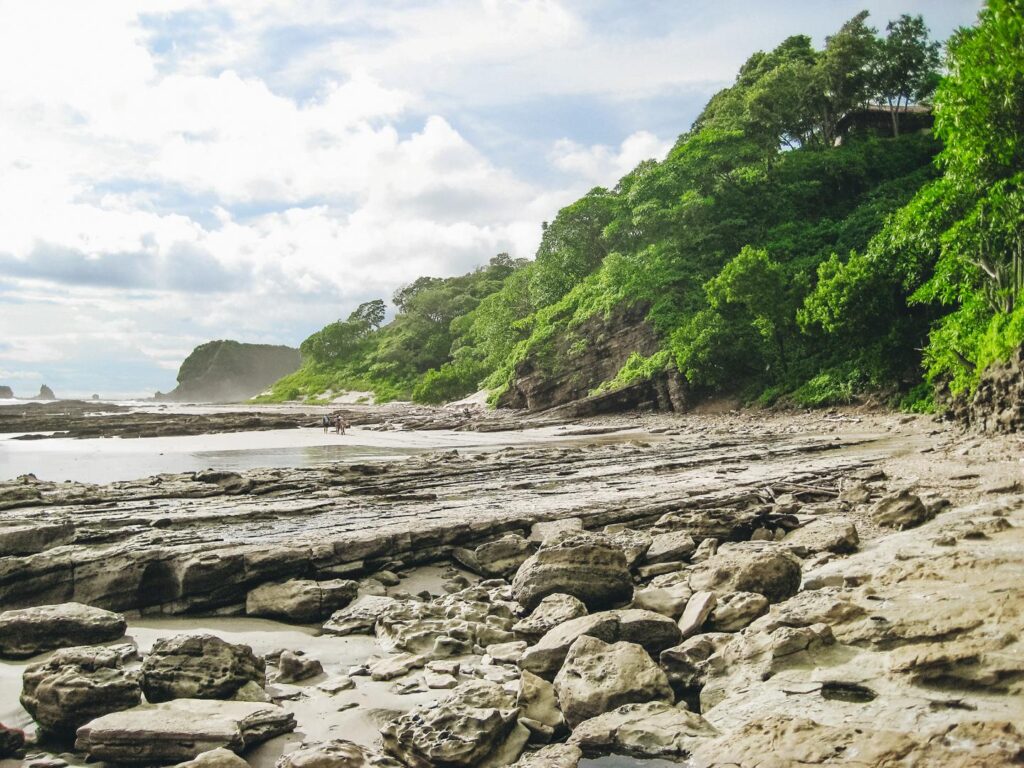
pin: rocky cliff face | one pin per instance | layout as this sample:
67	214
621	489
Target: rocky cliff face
998	402
576	363
229	371
45	393
6	393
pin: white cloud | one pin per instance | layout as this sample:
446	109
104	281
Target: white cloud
602	164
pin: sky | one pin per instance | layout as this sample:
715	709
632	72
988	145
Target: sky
176	171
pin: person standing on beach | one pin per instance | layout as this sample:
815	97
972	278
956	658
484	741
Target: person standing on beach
326	421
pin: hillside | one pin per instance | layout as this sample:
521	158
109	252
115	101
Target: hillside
809	240
230	371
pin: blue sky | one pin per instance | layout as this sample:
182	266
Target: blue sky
174	171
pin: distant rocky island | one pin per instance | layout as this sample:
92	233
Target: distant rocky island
227	371
45	393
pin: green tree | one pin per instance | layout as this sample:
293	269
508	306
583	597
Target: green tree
905	70
841	80
370	313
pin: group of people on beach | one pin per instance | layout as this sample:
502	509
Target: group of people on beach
336	422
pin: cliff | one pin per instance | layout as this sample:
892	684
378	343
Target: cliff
6	393
579	361
230	371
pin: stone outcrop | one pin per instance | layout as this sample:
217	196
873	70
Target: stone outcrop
198	667
181	730
300	600
475	726
6	393
76	685
360	616
45	393
900	510
29	631
230	371
597	677
19	539
585	565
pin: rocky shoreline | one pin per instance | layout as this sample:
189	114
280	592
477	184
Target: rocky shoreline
826	589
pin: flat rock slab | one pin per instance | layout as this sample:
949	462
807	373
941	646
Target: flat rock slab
29	631
181	730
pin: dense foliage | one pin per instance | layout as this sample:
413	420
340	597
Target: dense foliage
804	240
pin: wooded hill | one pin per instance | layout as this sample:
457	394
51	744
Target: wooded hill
812	237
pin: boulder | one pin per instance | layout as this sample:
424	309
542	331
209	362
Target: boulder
498	558
901	510
686	664
587	566
29	631
293	668
199	667
696	613
670	547
653	729
634	544
598	677
669	600
550	529
462	730
825	534
337	753
76	685
537	700
359	617
215	758
737	610
550	612
45	393
651	630
181	730
300	600
767	569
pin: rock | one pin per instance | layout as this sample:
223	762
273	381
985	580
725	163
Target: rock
537	701
766	569
300	600
585	565
45	393
670	547
359	617
29	631
634	544
653	729
598	677
6	393
550	612
398	665
686	664
334	754
705	550
900	510
439	681
460	730
198	667
551	756
227	371
651	630
337	684
736	610
76	685
215	758
252	691
696	613
12	742
507	653
496	558
18	539
668	601
181	730
371	588
293	668
825	534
